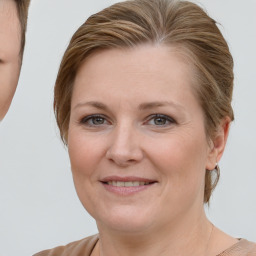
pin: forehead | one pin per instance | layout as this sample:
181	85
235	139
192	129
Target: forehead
141	59
10	32
155	70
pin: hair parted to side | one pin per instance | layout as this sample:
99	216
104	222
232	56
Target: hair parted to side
22	10
177	23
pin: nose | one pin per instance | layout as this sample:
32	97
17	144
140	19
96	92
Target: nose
125	148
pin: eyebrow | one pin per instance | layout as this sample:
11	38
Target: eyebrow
142	106
156	104
94	104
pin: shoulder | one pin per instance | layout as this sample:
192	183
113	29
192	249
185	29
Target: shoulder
82	247
241	248
248	247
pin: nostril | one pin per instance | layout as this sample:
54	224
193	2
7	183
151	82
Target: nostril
124	155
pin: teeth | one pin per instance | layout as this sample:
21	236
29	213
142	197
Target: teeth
127	184
120	184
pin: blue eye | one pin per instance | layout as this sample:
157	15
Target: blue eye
160	120
94	120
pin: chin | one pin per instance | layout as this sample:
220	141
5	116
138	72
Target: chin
126	220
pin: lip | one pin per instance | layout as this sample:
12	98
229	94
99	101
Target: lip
126	191
126	179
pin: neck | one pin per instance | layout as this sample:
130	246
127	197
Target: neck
189	237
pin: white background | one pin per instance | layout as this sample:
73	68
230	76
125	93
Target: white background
39	208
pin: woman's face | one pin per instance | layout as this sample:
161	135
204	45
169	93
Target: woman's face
136	139
10	42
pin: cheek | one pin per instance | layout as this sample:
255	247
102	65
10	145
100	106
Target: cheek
181	161
85	153
9	75
84	157
179	150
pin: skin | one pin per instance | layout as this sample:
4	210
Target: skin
126	88
10	61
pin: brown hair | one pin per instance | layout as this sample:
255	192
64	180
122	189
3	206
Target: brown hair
167	22
22	9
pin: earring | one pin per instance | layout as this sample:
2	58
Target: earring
216	172
217	168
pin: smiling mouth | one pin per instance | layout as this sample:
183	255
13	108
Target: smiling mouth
127	186
127	183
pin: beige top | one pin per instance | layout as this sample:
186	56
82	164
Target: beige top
85	247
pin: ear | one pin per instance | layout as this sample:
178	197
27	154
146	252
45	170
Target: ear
218	143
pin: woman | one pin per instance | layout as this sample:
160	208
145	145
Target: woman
13	22
143	102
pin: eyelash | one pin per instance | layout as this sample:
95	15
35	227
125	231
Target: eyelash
88	120
163	117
